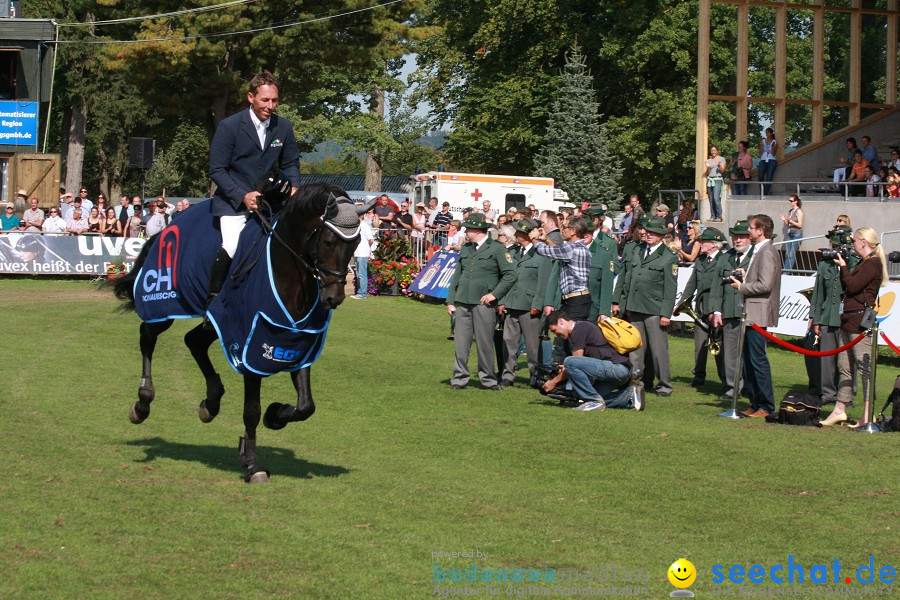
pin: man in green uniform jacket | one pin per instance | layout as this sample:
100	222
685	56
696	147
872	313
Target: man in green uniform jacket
703	278
651	284
484	272
631	254
825	317
727	302
524	303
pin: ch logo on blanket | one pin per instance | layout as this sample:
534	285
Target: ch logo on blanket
162	283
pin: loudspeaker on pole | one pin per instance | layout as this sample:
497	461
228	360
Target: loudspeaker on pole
141	153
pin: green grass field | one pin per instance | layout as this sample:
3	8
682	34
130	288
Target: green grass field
393	468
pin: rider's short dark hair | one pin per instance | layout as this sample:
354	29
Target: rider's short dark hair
261	79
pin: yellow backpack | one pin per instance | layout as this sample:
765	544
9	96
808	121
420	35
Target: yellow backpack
622	336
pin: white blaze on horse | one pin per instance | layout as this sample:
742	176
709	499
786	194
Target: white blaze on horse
271	315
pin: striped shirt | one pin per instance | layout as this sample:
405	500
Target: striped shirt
574	264
442	219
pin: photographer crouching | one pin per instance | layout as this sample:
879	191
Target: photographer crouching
860	294
595	370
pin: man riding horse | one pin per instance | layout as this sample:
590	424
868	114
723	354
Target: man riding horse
246	148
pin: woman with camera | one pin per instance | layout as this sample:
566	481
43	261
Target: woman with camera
860	292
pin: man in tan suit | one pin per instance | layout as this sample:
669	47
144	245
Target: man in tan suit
761	290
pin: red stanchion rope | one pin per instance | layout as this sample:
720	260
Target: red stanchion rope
890	343
796	348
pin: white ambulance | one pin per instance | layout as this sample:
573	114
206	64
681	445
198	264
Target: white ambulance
470	190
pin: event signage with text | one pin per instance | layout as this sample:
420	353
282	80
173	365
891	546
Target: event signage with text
34	254
434	278
18	122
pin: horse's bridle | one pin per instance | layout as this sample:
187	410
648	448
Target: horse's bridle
318	270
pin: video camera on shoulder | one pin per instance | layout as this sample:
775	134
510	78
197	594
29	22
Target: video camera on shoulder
842	242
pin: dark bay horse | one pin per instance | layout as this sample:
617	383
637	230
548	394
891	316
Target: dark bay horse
307	251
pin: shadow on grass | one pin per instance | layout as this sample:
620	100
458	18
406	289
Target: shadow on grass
279	461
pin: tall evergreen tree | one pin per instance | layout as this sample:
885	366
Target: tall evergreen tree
576	150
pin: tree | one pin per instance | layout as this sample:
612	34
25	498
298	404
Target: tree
164	176
576	150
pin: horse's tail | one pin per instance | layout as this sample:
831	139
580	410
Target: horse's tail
124	286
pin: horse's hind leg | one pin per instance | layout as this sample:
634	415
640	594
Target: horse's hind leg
140	410
278	414
198	341
253	471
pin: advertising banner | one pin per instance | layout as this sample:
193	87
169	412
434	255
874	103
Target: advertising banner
18	123
434	278
36	254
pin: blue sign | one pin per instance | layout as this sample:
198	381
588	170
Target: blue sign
434	279
18	123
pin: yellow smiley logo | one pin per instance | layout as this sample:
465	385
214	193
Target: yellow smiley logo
682	573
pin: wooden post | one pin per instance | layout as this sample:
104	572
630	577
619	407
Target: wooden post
743	63
818	74
890	96
855	62
702	140
780	78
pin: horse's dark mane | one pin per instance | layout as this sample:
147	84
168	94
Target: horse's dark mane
311	199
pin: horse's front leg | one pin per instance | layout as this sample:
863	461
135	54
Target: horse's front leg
198	341
140	410
278	415
253	471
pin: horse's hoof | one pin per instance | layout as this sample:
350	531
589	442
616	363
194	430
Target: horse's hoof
205	414
137	414
256	474
260	477
271	419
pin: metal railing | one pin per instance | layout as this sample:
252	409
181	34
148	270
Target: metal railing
805	262
840	189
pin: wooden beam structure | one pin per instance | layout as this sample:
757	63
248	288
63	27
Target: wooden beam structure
740	97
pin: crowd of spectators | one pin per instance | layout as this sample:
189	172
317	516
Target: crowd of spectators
862	165
78	215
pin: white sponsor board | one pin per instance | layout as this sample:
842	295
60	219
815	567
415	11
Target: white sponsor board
793	308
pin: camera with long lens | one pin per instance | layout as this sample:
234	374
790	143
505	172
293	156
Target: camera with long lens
737	274
844	250
894	257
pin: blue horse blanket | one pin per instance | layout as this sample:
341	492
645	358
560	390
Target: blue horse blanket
257	333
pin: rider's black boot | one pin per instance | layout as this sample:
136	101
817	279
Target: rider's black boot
216	280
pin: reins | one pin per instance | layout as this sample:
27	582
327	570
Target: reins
318	271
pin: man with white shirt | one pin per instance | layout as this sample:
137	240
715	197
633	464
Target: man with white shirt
872	178
155	220
86	204
54	223
33	217
245	149
361	256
